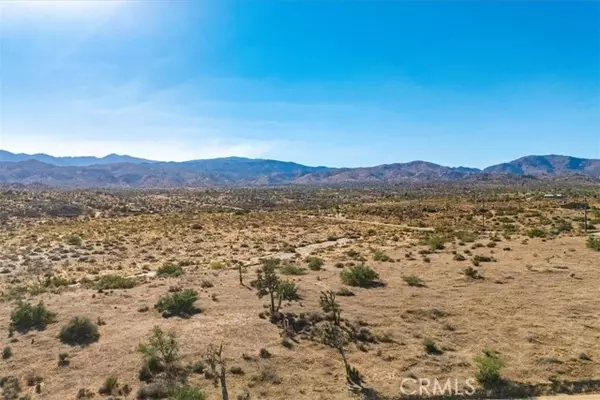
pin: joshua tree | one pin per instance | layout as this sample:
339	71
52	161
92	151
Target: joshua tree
217	365
334	336
329	305
267	283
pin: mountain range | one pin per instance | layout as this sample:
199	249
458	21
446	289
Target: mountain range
126	171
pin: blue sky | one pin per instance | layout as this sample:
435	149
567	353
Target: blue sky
339	83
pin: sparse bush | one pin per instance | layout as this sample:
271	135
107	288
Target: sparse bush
360	275
110	386
178	304
218	265
537	233
593	243
436	243
472	273
27	316
74	240
413	280
169	269
107	282
7	353
291	269
288	290
79	331
187	393
63	359
160	353
314	263
431	347
379	255
459	257
489	365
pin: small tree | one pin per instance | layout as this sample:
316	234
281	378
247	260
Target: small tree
329	305
335	337
267	283
162	351
218	368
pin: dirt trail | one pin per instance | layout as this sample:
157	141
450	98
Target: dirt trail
343	219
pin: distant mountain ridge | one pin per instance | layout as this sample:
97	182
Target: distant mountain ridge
126	171
6	156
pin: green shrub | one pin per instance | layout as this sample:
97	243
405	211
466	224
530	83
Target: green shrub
7	353
79	330
187	393
431	347
314	263
472	273
288	290
178	304
413	280
160	353
107	282
489	365
467	237
593	243
537	233
217	265
379	255
435	243
291	269
459	257
360	275
27	316
169	269
74	240
479	259
110	385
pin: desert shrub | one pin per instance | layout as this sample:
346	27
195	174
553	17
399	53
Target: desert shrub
74	240
63	359
593	243
435	243
27	316
563	226
314	263
344	292
291	269
413	280
467	237
472	273
110	385
187	393
107	282
360	275
459	257
79	330
178	304
205	284
217	265
379	255
489	365
56	282
537	233
431	347
160	353
288	290
7	353
169	269
479	259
